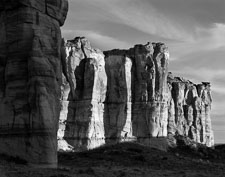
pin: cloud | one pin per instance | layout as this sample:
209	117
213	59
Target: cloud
141	16
192	13
111	18
219	89
202	73
147	19
206	40
97	40
212	38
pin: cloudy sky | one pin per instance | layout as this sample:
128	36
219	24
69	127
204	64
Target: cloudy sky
194	31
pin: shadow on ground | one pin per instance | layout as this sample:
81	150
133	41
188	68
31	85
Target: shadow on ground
128	160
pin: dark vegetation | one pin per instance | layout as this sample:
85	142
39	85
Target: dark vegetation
129	159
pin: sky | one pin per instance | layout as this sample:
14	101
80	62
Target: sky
194	31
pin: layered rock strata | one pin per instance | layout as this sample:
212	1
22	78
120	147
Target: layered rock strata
139	99
148	89
118	103
189	110
30	78
88	81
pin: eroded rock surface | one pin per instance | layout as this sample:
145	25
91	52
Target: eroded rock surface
30	78
118	105
192	107
147	92
136	98
88	81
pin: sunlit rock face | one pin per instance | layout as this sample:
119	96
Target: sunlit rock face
134	98
125	95
30	78
87	79
189	110
145	96
150	91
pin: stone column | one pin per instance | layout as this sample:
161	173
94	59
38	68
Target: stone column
117	117
192	110
30	78
84	124
150	90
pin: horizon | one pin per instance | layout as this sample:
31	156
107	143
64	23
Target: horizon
193	30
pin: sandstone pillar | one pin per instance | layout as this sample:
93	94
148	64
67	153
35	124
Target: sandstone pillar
150	90
30	78
192	110
117	115
84	125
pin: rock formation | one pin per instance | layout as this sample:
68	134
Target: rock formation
30	78
189	110
136	98
148	89
88	82
117	114
120	95
145	94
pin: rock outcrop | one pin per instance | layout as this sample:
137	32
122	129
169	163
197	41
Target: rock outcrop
84	126
189	110
136	98
120	95
144	95
118	103
148	90
30	78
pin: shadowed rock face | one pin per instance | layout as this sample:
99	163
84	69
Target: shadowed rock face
136	98
30	78
118	104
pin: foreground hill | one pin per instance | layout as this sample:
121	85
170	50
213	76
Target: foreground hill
127	160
